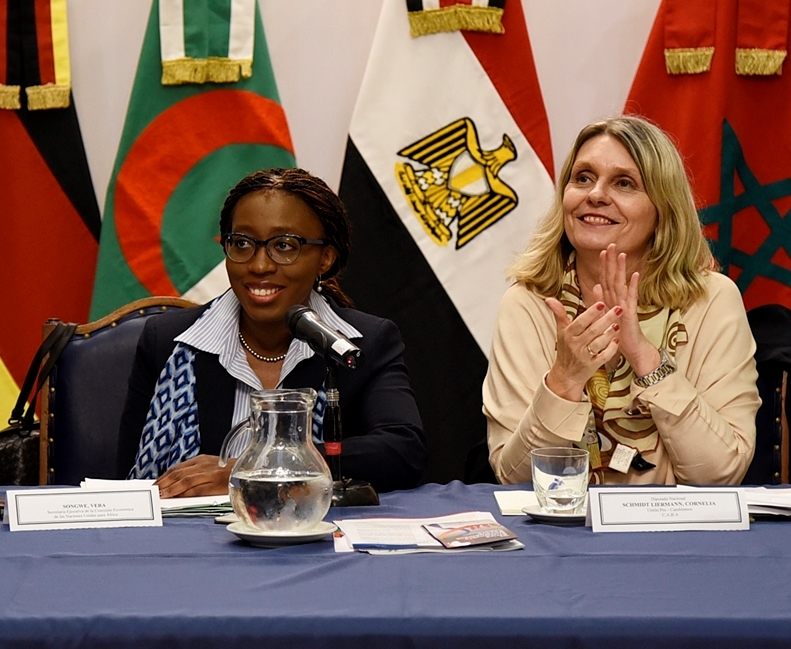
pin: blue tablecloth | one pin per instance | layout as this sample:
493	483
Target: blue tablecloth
191	583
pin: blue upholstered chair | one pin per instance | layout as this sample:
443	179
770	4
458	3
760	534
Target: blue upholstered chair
771	327
83	399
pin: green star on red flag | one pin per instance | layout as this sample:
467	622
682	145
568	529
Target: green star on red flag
716	77
769	242
182	148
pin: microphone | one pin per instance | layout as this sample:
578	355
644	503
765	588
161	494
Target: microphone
305	324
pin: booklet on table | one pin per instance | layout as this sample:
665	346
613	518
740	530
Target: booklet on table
409	535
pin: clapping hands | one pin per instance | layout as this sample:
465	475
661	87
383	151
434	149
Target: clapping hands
609	327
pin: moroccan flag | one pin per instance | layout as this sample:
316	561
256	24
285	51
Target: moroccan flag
716	77
204	112
447	170
49	212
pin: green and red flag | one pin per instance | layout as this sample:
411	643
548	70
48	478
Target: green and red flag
714	75
50	217
204	112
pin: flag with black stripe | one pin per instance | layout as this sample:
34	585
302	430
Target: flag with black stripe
50	215
448	168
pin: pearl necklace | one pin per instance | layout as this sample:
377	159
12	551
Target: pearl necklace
268	359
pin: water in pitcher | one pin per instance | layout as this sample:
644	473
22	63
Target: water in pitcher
267	501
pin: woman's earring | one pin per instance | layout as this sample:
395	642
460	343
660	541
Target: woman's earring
319	288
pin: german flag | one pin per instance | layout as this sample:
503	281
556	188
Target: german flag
50	216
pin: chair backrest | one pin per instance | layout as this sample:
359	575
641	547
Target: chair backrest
476	467
771	328
84	397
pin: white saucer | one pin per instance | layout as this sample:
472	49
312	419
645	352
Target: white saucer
563	520
226	518
273	539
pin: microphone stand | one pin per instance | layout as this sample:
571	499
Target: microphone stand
345	492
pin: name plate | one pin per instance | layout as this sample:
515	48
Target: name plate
651	509
65	509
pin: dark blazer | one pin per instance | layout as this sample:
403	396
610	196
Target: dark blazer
383	436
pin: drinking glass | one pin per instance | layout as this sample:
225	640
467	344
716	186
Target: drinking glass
560	479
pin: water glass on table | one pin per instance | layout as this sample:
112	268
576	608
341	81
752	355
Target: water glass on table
560	479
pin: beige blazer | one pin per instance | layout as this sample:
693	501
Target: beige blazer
704	412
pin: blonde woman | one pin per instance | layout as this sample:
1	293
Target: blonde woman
618	333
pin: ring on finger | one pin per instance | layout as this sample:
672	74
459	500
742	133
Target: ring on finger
591	352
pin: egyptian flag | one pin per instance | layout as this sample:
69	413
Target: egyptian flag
49	212
448	168
204	112
715	76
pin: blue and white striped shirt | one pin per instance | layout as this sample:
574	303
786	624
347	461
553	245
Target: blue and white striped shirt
217	332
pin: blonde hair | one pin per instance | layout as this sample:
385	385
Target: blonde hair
679	255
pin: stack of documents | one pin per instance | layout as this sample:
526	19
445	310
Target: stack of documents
198	506
463	532
771	502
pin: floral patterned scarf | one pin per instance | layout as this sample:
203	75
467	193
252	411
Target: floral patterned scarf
614	420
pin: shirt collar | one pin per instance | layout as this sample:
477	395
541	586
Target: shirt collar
217	332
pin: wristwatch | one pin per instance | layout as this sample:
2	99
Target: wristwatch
666	368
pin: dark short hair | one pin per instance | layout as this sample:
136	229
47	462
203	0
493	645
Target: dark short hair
311	190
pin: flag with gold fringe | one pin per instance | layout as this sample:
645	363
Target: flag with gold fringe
448	168
433	16
194	51
714	76
50	216
204	112
34	54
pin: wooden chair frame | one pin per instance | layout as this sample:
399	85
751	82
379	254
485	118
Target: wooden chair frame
785	450
85	331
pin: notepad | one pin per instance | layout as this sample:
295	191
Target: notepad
512	503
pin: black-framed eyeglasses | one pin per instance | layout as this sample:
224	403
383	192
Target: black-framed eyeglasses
283	249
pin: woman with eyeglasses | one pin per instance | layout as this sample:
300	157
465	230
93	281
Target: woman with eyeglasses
286	236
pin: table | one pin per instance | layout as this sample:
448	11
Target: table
191	583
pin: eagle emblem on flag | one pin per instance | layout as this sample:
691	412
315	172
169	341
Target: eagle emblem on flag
456	178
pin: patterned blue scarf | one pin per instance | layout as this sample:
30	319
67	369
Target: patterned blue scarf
171	433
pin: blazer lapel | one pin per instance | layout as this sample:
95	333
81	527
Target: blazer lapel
307	374
215	392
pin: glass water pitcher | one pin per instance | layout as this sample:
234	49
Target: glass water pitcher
280	482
